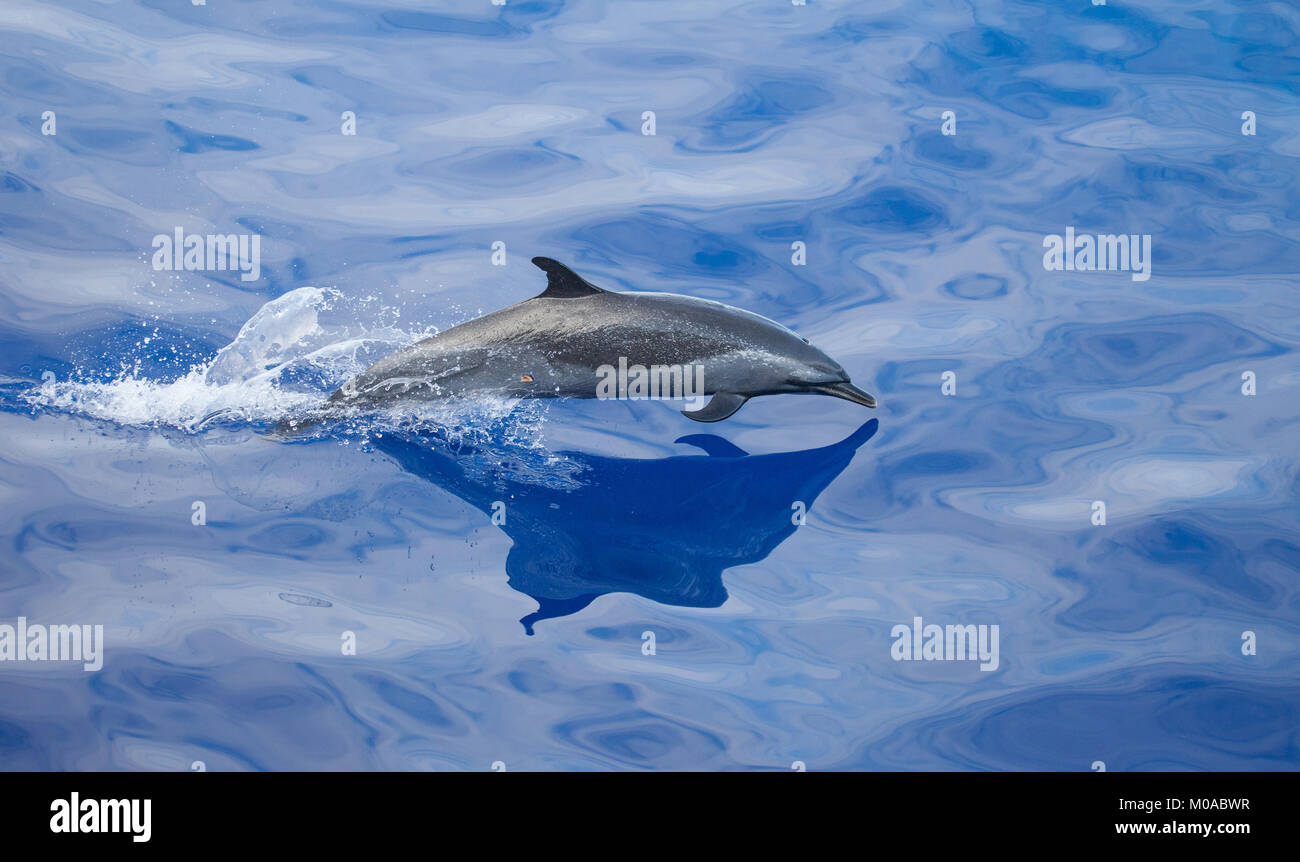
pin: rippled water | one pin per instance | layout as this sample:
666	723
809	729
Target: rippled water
131	394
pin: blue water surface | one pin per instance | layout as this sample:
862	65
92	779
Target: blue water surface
136	399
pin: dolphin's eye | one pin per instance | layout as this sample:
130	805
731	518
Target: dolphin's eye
806	341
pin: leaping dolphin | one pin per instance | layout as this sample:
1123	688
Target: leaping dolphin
555	345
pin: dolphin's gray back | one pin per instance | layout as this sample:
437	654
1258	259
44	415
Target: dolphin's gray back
553	346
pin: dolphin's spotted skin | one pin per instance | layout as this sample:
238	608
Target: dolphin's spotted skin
552	345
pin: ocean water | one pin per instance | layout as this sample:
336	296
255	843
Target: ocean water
135	401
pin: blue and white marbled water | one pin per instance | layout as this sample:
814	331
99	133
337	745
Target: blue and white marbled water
775	123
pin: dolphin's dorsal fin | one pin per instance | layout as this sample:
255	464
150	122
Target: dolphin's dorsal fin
562	282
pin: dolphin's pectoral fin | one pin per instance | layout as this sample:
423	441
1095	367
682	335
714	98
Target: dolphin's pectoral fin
713	445
562	282
722	405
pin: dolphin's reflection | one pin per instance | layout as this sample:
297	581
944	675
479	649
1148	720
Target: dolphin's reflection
661	528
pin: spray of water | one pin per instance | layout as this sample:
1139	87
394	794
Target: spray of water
280	366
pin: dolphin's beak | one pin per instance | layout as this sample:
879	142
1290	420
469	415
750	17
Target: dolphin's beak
847	391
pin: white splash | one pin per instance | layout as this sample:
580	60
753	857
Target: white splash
282	364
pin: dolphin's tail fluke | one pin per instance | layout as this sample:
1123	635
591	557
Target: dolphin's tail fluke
294	427
332	409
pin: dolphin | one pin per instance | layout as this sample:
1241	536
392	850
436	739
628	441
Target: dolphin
559	344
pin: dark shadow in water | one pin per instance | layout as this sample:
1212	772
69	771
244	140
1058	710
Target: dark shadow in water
661	528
